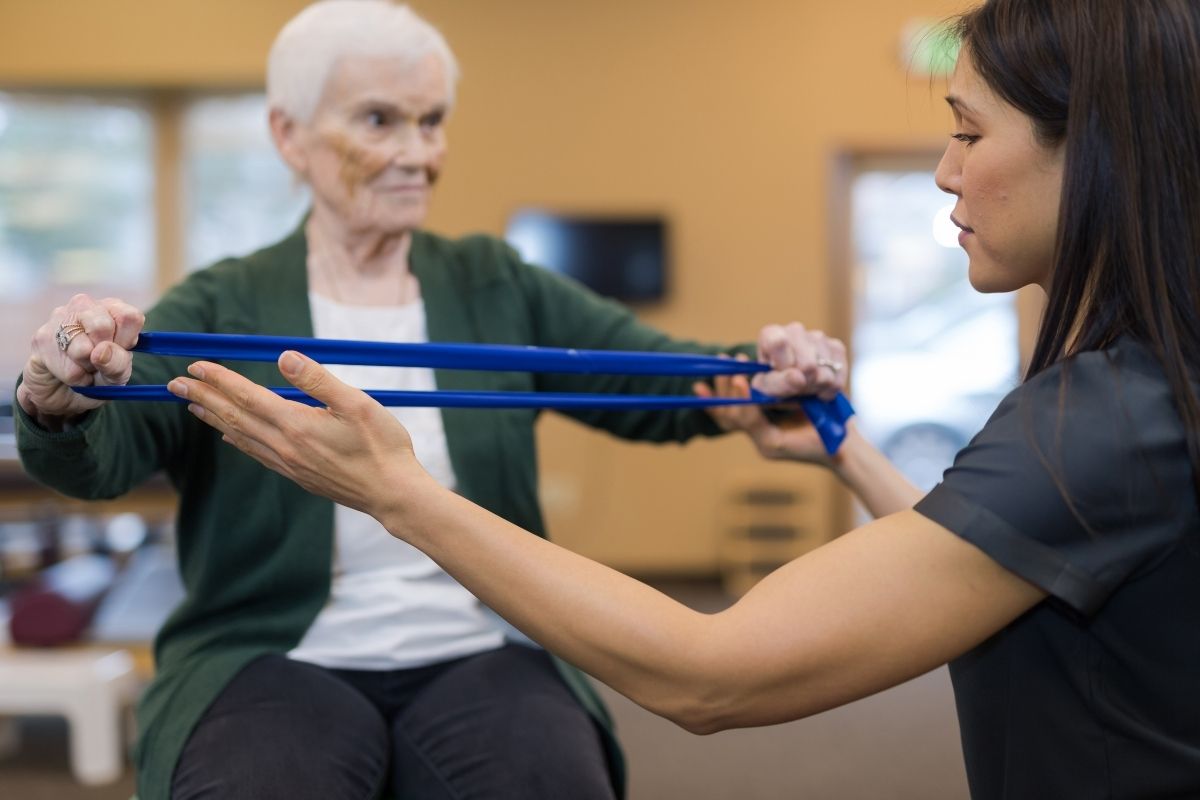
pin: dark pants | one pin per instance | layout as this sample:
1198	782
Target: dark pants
501	724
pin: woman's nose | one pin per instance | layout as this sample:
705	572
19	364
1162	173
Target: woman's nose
412	148
948	176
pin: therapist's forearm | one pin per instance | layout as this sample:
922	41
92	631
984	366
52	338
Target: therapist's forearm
634	638
881	488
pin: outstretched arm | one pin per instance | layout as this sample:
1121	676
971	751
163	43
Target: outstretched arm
876	607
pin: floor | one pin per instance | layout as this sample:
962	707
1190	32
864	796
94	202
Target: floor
898	745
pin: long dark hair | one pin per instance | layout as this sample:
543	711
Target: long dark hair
1118	83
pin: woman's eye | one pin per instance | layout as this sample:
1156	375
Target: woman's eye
965	138
431	122
378	119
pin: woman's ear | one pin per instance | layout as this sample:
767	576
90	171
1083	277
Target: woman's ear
286	133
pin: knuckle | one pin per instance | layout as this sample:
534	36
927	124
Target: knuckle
360	408
74	375
242	398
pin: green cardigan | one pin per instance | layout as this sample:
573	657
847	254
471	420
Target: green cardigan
254	548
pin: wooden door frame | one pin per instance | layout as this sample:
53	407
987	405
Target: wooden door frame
844	164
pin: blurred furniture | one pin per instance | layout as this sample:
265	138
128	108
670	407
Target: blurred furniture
766	522
56	607
23	498
90	687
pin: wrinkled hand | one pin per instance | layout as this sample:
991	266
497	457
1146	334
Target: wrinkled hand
805	358
802	361
98	355
353	451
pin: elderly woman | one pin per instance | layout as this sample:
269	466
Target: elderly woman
315	655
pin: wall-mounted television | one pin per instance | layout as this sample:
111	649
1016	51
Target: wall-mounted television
622	257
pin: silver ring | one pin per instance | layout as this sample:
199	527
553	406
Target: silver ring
66	333
836	366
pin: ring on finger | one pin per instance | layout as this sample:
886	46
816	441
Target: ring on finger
66	333
835	366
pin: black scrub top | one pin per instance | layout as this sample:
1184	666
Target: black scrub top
1080	483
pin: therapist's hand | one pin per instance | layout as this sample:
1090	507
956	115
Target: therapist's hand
353	451
784	435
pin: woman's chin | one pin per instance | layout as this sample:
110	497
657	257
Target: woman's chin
988	279
389	221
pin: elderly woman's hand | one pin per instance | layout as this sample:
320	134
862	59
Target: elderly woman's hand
802	361
84	343
352	451
805	362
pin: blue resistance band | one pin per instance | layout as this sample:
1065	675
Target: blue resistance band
828	417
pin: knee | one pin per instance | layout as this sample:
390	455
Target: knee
284	731
284	767
545	749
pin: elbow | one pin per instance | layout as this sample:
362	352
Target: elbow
730	698
699	709
701	723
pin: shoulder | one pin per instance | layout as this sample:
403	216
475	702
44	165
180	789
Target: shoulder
1079	480
1098	432
476	257
1112	399
479	259
284	257
235	283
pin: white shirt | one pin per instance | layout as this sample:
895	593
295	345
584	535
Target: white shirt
390	606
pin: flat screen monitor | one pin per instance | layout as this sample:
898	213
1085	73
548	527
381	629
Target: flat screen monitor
624	258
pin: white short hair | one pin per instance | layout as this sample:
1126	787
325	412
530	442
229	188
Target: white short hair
310	45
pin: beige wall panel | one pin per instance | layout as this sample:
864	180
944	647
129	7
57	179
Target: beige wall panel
724	116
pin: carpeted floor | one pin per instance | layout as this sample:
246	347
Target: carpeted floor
899	745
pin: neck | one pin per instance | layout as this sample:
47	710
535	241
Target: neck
358	266
364	250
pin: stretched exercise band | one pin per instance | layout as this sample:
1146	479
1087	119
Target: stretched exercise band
828	417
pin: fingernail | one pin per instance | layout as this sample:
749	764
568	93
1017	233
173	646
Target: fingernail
105	355
178	388
197	410
290	363
196	371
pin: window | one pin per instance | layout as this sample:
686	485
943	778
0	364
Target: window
932	357
78	203
238	194
76	209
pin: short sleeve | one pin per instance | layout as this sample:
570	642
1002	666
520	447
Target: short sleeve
1079	481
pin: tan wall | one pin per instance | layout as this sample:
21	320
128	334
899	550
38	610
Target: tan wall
722	115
